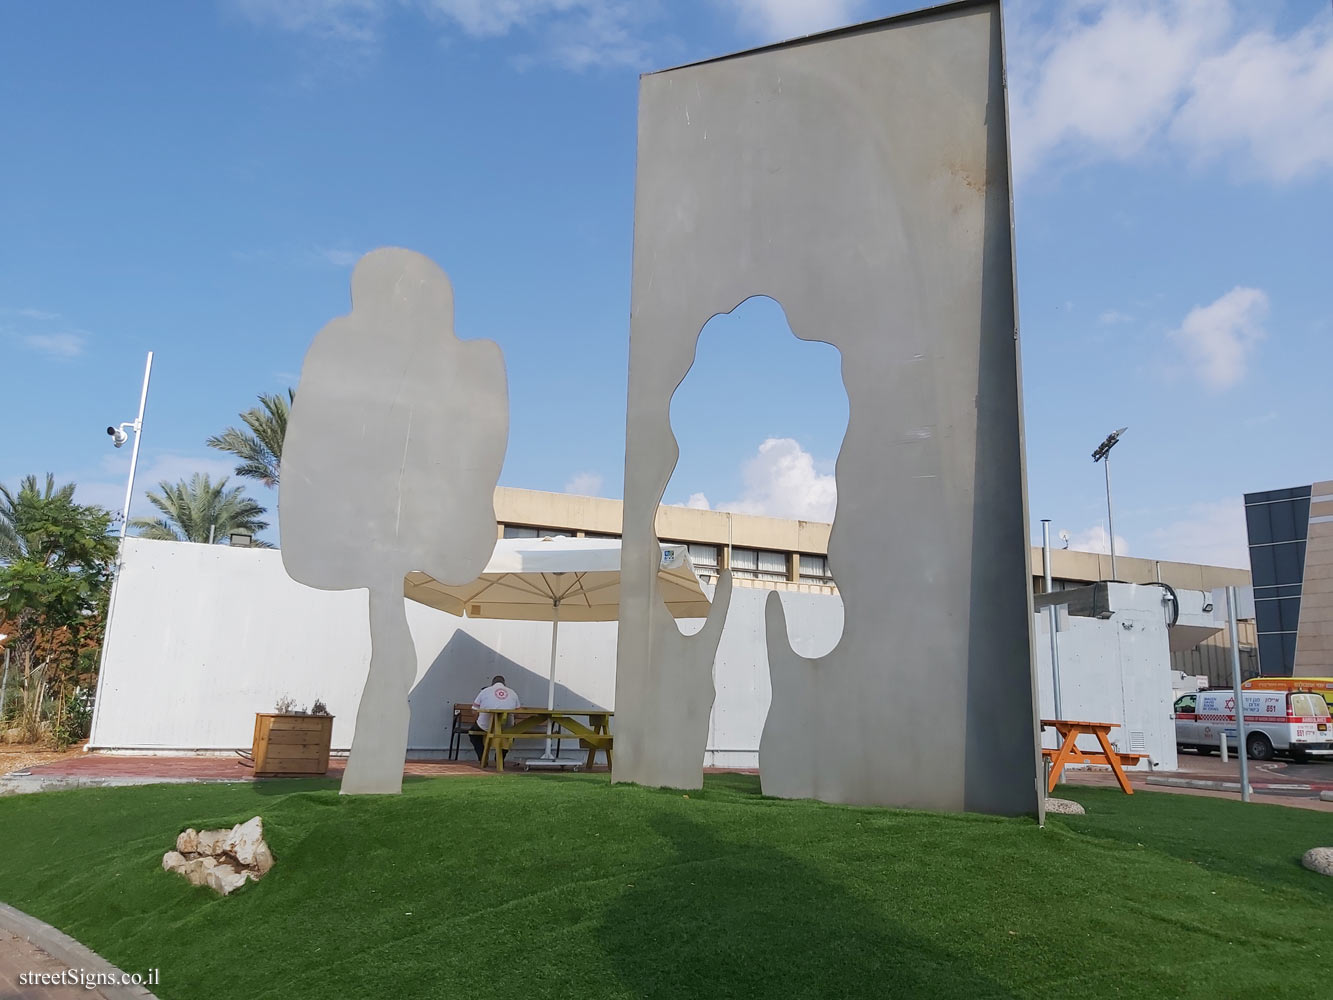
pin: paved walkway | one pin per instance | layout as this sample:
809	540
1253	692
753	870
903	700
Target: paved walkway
31	951
211	767
93	770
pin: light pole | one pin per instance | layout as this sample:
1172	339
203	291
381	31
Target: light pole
1103	455
119	436
1053	616
1239	695
4	684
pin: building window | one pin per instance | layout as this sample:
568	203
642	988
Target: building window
1277	523
1277	653
758	564
1277	564
704	558
1276	615
772	565
526	531
814	569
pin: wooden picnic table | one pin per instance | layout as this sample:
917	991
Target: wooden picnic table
532	723
1069	752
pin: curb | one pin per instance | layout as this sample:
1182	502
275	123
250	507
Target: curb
26	784
1234	786
65	949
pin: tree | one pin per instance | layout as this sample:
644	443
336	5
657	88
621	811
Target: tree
17	510
199	509
55	571
259	448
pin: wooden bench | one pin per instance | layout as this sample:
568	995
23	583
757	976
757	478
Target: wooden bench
1126	759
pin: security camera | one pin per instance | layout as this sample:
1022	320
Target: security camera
1064	537
118	436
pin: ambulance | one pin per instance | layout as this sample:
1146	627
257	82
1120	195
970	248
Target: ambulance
1295	723
1324	685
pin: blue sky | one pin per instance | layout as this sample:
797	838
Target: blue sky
198	179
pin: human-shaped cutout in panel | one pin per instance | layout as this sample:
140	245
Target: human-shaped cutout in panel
860	178
392	453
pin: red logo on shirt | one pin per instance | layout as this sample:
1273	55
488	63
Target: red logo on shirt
502	694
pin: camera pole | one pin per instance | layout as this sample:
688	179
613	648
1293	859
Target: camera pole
120	550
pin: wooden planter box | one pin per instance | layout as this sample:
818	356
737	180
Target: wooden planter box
291	744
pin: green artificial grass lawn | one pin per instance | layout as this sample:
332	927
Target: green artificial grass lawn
567	886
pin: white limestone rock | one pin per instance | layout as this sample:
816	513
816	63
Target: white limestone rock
212	841
246	844
224	879
1319	859
195	870
223	860
1064	807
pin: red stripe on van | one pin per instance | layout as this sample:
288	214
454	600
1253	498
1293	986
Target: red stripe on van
1248	718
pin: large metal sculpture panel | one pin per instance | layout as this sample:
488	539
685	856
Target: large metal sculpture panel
860	178
392	453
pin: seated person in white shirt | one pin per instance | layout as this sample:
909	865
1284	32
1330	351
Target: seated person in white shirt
497	696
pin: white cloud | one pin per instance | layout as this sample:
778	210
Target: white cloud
585	484
493	18
1213	534
1094	539
1266	100
608	34
1114	317
107	489
337	256
57	345
34	329
1217	339
575	34
338	20
1125	79
777	19
780	481
1104	78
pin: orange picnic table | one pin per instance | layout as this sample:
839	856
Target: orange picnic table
1069	752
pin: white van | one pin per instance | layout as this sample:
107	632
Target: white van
1291	722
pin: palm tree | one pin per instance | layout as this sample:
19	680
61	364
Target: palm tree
259	448
199	510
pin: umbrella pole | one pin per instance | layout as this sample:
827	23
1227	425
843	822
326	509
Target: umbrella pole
550	690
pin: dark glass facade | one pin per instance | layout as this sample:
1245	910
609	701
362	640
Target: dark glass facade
1278	522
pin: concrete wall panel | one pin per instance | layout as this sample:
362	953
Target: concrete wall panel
206	636
860	179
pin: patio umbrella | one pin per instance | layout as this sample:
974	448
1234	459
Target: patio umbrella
558	579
